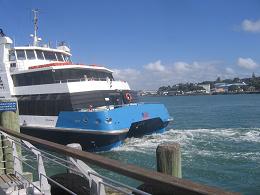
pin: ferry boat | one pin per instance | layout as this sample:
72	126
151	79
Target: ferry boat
67	102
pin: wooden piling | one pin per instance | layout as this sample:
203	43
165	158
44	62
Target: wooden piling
9	120
2	164
169	159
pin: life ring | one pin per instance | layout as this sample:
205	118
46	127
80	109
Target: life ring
90	108
128	97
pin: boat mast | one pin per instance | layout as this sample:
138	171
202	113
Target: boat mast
35	22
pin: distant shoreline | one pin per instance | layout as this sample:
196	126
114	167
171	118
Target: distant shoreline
205	94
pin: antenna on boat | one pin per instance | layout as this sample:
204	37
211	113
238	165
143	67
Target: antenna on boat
35	23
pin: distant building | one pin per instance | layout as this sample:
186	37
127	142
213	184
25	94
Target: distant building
251	88
148	92
172	93
206	87
220	90
223	87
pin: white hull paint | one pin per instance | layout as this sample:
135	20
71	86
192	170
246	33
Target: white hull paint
43	121
71	87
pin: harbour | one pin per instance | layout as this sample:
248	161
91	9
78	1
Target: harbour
129	97
80	178
219	149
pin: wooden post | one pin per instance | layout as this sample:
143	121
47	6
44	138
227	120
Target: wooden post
2	164
9	120
78	147
169	159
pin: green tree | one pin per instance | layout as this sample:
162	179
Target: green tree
233	88
218	80
253	75
236	80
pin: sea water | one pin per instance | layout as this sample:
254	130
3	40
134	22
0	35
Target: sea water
219	137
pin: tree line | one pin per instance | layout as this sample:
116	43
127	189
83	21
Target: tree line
185	87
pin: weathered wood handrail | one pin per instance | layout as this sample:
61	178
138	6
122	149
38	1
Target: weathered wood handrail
176	185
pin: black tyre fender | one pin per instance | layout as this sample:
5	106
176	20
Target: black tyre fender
73	182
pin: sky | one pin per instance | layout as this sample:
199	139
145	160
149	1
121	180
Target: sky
149	43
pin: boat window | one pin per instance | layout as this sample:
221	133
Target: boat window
33	78
39	54
66	58
20	54
30	54
49	55
59	76
44	105
12	55
59	56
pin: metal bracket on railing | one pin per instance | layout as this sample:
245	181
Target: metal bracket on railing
96	185
17	163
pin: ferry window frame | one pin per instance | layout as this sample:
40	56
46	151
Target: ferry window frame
49	55
59	56
40	53
30	54
33	78
12	55
63	57
66	58
20	57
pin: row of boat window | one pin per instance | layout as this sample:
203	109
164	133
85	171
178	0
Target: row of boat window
59	76
29	106
31	54
52	104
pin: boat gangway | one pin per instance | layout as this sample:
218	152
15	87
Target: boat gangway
81	178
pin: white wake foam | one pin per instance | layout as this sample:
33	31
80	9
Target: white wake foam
192	139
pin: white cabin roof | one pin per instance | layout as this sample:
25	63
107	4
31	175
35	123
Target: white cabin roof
41	48
62	66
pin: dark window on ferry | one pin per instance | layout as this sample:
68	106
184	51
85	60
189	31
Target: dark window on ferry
49	55
12	55
69	75
66	58
44	104
33	78
39	54
20	54
30	54
59	56
59	76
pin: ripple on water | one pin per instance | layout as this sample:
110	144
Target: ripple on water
224	157
220	144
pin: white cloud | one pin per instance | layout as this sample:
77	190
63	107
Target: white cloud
155	66
182	67
229	70
126	74
251	26
156	74
247	63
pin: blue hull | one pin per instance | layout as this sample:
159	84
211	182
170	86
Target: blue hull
103	130
89	141
140	119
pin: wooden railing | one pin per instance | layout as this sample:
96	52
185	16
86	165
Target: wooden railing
173	185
